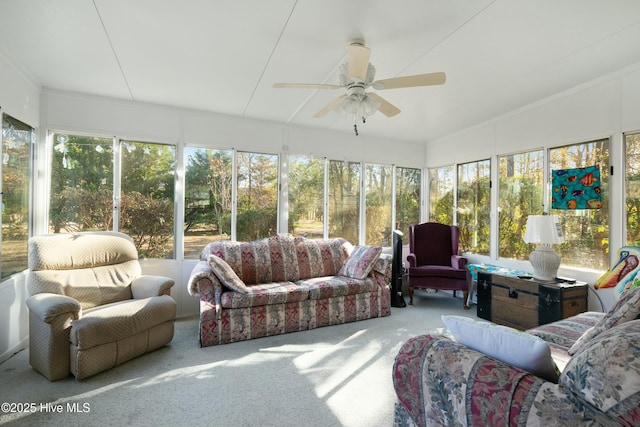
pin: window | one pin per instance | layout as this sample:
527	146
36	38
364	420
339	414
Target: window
473	206
14	195
632	194
344	199
441	194
257	183
408	184
520	194
147	197
208	198
306	196
81	183
378	183
586	231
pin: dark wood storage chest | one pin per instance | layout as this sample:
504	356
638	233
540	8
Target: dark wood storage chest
525	303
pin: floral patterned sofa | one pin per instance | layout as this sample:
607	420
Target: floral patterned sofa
286	284
441	382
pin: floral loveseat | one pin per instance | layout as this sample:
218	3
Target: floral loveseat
285	284
587	373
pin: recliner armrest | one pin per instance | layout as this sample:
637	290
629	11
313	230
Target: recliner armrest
150	286
47	307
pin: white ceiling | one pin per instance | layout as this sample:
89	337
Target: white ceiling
224	56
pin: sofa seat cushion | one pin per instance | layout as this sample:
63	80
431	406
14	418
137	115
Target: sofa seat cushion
265	294
116	321
336	286
561	335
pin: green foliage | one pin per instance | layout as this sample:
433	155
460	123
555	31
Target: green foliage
519	198
148	169
407	198
149	222
344	199
257	195
256	224
306	194
474	215
208	186
82	209
81	184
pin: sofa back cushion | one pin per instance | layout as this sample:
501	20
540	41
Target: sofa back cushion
280	258
320	258
95	268
605	374
268	260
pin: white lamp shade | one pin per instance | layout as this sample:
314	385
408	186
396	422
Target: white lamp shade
543	229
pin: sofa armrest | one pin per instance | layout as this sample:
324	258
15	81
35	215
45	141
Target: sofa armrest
439	380
205	285
459	262
147	286
48	307
202	270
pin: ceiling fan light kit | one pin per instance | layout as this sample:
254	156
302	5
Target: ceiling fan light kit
356	75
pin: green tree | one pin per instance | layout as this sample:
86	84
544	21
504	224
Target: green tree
306	195
407	198
257	196
208	187
81	183
344	199
147	197
473	206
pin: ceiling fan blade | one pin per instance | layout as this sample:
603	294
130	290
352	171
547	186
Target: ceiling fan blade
330	106
358	61
305	86
386	108
411	81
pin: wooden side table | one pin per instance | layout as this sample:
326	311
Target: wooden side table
525	303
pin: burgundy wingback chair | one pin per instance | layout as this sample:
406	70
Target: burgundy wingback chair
434	262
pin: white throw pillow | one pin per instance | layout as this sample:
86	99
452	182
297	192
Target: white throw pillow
509	345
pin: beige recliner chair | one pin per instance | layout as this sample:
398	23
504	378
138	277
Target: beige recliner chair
90	308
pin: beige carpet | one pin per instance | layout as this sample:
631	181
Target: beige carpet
333	376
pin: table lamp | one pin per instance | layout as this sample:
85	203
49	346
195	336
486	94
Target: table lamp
545	231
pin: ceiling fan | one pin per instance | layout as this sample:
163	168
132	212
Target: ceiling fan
356	76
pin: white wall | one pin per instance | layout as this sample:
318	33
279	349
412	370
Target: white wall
20	99
76	112
604	108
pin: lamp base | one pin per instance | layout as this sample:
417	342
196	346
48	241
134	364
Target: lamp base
545	263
